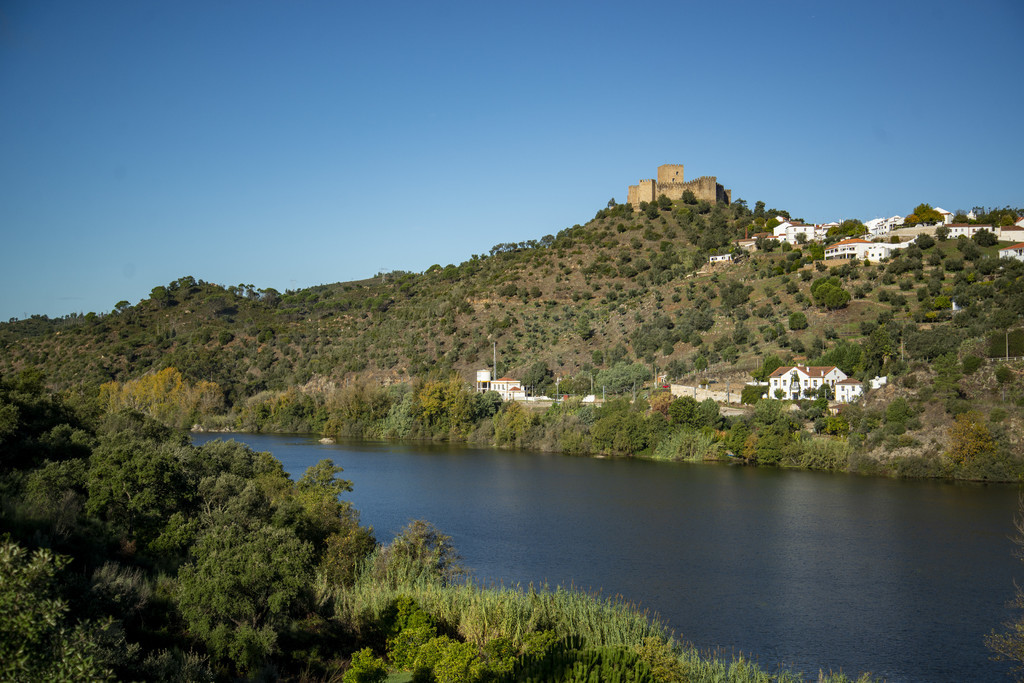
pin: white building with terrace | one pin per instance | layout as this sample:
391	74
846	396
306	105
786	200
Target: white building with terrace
803	381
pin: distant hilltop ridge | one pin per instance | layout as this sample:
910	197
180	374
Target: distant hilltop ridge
671	184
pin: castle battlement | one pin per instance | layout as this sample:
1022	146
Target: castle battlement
672	184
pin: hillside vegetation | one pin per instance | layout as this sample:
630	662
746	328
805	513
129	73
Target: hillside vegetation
601	306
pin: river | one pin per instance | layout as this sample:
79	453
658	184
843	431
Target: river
801	569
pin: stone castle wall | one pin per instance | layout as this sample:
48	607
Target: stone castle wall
671	183
670	173
643	192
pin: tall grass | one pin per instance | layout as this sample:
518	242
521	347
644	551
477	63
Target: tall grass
823	453
480	614
691	445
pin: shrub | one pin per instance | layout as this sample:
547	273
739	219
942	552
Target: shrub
971	364
365	668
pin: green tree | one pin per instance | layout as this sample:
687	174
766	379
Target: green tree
512	425
797	321
422	543
365	668
879	348
925	241
622	377
985	238
36	641
243	588
923	213
683	411
135	485
828	292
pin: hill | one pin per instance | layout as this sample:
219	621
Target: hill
628	288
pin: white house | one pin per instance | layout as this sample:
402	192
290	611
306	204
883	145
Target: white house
789	232
795	381
880	227
947	217
848	390
1011	234
509	388
967	230
720	258
1013	251
1020	222
879	251
851	248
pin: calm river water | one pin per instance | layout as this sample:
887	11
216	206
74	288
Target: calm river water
807	570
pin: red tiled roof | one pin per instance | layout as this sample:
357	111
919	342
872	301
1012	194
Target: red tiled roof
1013	246
814	371
849	381
855	240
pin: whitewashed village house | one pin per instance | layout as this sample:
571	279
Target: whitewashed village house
847	390
857	248
881	227
967	230
508	388
799	381
790	232
851	248
1013	251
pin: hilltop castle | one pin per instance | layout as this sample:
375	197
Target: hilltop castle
670	183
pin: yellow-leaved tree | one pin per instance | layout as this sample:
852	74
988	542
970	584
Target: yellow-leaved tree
165	396
969	438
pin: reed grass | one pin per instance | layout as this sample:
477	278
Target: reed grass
479	614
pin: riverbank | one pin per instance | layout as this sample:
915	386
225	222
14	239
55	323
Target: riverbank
805	451
798	568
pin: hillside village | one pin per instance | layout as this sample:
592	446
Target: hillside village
873	242
655	327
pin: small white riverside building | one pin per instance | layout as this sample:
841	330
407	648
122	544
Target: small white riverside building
848	390
508	388
797	381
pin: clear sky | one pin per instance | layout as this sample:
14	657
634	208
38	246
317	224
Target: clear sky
293	143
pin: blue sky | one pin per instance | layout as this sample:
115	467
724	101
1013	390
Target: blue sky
289	144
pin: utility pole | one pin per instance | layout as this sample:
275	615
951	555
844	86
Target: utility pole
495	360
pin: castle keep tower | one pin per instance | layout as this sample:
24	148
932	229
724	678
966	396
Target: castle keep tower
671	183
